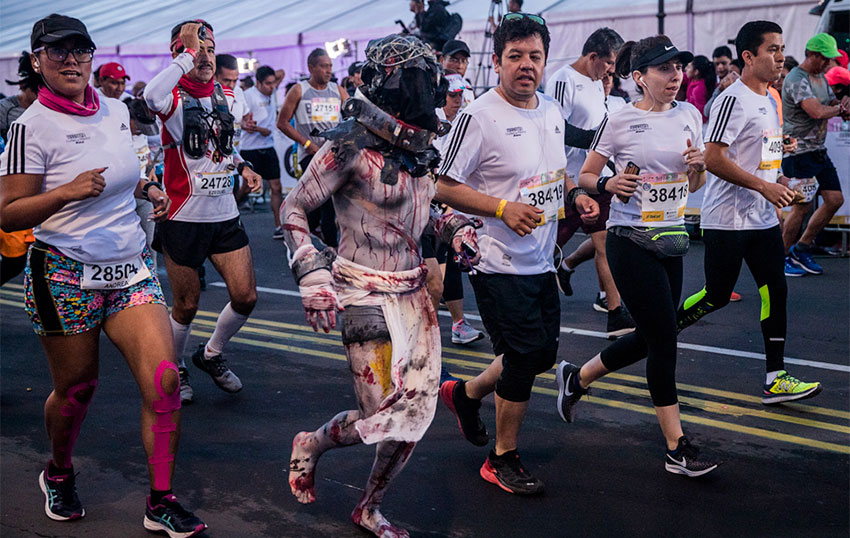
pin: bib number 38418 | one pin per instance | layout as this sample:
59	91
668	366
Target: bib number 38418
663	196
114	276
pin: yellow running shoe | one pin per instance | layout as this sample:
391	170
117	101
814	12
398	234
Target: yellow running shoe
787	388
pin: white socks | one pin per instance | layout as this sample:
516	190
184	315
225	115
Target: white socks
181	336
229	322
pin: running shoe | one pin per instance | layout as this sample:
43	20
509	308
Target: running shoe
186	392
278	233
685	460
787	388
569	390
218	370
601	304
791	268
466	410
735	297
446	376
620	322
564	276
507	472
803	260
61	502
169	517
463	333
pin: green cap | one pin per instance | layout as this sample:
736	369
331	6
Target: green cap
824	44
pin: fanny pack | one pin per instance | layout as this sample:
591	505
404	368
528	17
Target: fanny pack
664	241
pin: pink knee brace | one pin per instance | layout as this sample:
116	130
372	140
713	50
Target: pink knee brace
76	409
162	428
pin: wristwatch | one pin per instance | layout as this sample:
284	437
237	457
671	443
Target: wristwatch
241	166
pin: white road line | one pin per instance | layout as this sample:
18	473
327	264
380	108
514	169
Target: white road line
598	334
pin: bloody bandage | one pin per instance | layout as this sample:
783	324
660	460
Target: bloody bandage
162	427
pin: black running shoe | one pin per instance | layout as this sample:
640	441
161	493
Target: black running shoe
563	280
60	497
218	370
169	517
569	390
507	472
466	410
686	460
620	322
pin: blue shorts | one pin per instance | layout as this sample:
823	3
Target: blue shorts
58	306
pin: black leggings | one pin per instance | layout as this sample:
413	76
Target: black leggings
651	288
11	267
452	282
764	253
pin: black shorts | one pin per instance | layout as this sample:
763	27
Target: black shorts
571	222
814	164
264	161
520	312
429	243
190	243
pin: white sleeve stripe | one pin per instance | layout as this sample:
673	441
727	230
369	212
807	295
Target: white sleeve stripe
598	134
722	119
455	143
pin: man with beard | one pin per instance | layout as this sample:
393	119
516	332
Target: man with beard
375	167
203	221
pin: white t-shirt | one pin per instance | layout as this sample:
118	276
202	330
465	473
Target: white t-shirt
264	109
197	187
582	103
614	103
749	124
496	149
654	141
61	146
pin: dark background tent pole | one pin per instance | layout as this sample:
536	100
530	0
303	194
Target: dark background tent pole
660	16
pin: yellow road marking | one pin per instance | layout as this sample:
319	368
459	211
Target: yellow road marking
709	406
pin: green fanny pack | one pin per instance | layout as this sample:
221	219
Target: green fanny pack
664	241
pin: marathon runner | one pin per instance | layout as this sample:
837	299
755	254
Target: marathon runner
89	270
739	215
505	162
203	221
382	193
656	144
315	104
579	91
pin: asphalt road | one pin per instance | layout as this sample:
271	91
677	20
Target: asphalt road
785	470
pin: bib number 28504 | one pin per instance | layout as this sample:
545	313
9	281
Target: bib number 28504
114	276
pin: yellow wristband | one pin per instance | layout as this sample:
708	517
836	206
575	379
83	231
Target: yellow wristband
501	208
307	144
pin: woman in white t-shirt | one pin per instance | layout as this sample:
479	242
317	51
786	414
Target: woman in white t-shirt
656	145
70	171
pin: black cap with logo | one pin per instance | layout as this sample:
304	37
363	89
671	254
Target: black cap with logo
454	46
661	53
55	28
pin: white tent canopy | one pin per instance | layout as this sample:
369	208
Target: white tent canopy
281	34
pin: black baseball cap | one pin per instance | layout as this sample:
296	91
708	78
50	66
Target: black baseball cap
454	46
661	53
55	28
356	67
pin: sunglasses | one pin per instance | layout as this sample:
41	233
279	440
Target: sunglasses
58	54
519	16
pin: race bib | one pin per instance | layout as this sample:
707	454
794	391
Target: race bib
213	183
663	196
771	149
805	189
546	192
114	276
324	109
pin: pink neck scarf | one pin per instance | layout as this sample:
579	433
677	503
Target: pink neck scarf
59	103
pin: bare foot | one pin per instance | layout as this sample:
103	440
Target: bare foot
302	466
377	524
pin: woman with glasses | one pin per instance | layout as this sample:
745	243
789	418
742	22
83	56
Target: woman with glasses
656	145
70	172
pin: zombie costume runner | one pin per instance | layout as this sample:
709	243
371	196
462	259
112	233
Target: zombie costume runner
375	169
